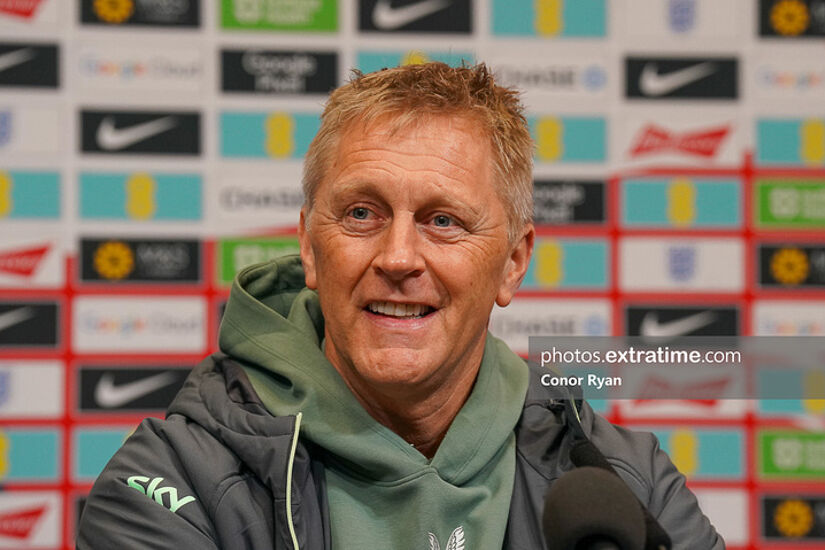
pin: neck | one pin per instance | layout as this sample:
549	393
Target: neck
421	413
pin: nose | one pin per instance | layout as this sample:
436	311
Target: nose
400	254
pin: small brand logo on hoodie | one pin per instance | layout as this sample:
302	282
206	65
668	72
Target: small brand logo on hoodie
455	542
152	490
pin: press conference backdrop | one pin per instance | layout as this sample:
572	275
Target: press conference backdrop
149	149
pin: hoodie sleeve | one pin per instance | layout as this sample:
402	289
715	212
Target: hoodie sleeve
143	500
654	479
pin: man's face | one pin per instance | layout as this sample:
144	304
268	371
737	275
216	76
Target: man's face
407	246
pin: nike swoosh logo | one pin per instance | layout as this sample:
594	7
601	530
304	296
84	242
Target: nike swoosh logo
652	328
654	84
110	396
14	317
17	57
386	17
113	139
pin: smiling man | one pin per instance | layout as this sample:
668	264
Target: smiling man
359	401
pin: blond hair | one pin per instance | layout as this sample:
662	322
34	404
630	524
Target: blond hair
409	93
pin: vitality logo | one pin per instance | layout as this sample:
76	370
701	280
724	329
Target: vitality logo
153	491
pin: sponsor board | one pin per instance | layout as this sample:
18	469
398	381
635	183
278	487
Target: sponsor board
684	264
681	202
93	447
568	202
792	18
668	78
276	135
729	409
561	19
796	518
140	196
31	389
236	254
792	392
526	317
130	324
30	455
688	19
110	389
140	132
29	324
141	13
29	65
140	260
279	15
375	61
791	141
788	318
416	16
140	69
569	139
790	203
28	195
278	71
30	519
672	321
703	454
727	510
29	131
251	200
29	14
573	77
789	265
790	79
674	138
788	454
32	263
568	264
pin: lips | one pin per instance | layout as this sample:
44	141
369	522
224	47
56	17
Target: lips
399	310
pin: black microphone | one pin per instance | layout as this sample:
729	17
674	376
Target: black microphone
584	453
591	509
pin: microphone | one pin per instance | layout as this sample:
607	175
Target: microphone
585	453
591	509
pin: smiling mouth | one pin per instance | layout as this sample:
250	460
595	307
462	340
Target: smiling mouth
399	311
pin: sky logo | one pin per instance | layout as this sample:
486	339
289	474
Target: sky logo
550	18
568	264
275	135
681	202
791	141
374	61
140	196
569	139
29	195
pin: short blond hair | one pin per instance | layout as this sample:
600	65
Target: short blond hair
409	93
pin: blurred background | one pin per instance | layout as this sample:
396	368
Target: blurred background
149	149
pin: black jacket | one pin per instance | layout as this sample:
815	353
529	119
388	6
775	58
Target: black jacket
222	472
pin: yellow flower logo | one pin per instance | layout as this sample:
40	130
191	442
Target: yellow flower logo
789	266
114	260
790	17
793	518
114	11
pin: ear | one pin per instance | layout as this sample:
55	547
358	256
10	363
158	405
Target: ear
307	253
516	267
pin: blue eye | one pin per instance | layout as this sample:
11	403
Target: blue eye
442	221
360	213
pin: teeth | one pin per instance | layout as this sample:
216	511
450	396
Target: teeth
398	310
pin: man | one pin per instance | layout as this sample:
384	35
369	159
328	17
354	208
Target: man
359	401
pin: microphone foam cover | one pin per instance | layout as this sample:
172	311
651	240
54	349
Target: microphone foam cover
591	503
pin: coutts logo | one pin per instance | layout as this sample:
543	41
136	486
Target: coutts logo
655	139
19	524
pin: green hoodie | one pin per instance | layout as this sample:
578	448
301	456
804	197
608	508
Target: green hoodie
382	492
